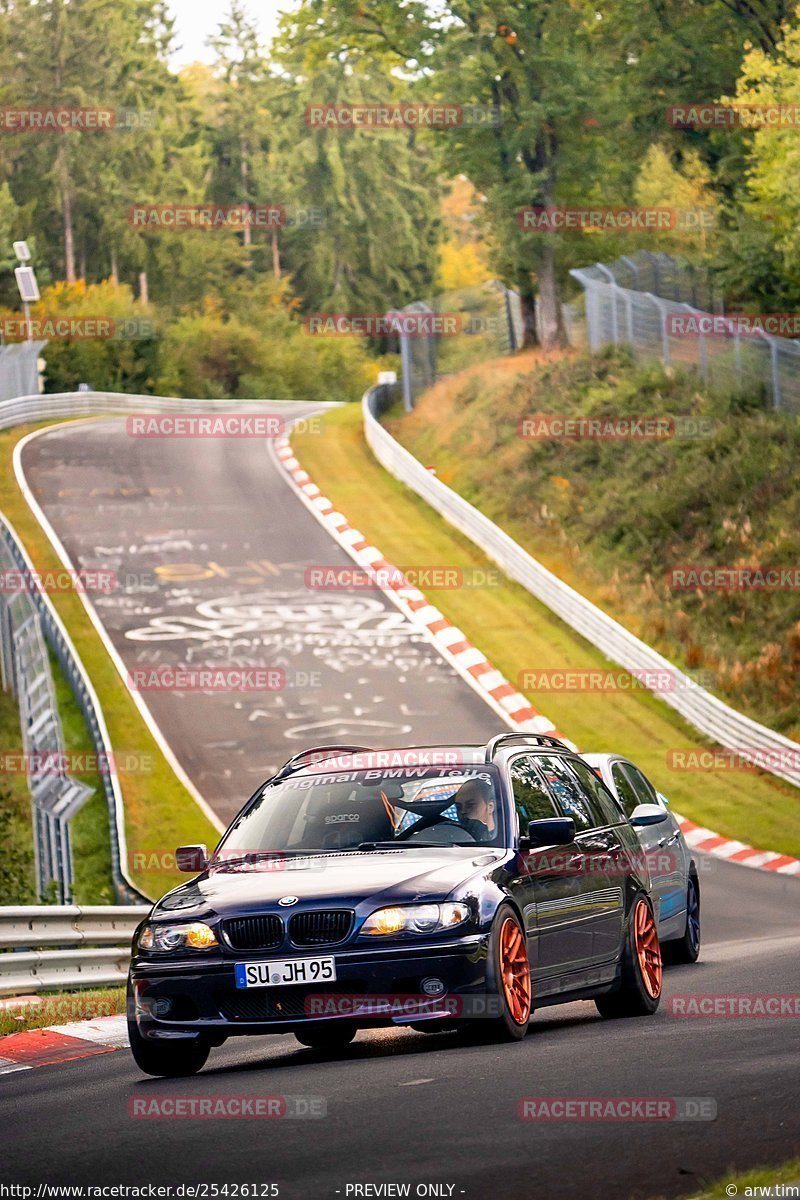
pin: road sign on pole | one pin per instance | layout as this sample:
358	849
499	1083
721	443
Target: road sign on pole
26	282
29	291
22	252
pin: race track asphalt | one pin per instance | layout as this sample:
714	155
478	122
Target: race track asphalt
401	1107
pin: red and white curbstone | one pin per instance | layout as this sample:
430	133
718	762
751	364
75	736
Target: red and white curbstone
473	665
451	642
61	1043
708	842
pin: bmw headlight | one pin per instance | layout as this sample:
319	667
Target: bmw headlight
414	918
196	936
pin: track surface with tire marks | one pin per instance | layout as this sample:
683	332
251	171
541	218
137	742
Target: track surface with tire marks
402	1107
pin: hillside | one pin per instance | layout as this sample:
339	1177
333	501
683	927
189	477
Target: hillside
615	518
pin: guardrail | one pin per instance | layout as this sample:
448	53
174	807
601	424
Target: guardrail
34	408
705	712
95	957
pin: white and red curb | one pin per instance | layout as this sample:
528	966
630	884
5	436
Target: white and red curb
473	665
61	1043
470	662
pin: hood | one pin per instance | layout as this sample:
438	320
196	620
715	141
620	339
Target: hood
347	880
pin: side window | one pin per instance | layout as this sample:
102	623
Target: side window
643	788
604	804
625	789
531	798
571	798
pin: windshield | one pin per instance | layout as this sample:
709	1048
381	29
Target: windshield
364	809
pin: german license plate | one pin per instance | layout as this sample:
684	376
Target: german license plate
279	973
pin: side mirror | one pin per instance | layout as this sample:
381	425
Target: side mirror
552	831
191	859
648	814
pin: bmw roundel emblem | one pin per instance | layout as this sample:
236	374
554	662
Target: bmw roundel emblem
287	900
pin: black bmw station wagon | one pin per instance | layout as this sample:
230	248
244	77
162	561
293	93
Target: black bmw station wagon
437	887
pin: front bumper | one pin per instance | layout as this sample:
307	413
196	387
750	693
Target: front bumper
374	986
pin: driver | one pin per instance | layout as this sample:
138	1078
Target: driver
475	805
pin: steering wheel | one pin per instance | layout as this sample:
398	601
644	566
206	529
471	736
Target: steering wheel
428	822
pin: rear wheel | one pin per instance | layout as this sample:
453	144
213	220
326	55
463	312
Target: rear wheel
327	1035
509	976
686	949
639	990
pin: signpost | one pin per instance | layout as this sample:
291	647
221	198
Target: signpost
26	282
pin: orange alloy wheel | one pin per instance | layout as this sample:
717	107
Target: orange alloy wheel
648	951
515	971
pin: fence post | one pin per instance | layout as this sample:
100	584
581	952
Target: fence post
776	373
665	357
405	367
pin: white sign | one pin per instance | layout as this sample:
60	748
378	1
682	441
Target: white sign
22	252
26	282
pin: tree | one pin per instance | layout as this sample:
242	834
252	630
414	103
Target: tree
529	62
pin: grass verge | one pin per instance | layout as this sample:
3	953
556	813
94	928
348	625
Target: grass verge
624	519
746	1184
517	633
17	872
59	1008
159	812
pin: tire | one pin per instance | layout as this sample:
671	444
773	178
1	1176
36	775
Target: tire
508	978
639	990
686	949
167	1059
328	1036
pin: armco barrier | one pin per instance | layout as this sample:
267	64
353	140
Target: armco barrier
28	409
705	712
95	958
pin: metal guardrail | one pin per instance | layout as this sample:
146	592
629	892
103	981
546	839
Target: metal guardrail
34	408
700	708
26	673
93	933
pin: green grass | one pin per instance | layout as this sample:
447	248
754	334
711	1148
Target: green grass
614	517
17	874
516	632
59	1008
91	849
159	811
745	1181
